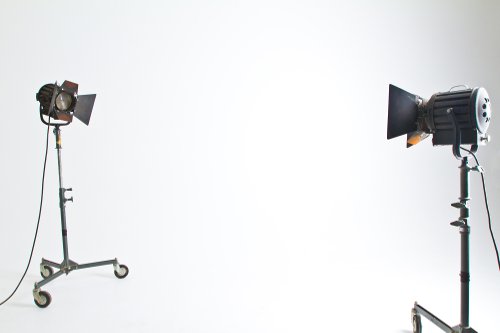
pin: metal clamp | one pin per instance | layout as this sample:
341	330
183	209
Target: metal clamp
67	190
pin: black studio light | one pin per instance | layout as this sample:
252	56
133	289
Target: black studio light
452	118
62	103
456	118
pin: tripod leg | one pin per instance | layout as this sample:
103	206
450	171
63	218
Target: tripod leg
120	270
420	310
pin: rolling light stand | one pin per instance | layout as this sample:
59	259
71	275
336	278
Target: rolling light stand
43	298
464	228
62	103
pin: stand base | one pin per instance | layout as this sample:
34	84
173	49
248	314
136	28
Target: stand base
419	310
43	298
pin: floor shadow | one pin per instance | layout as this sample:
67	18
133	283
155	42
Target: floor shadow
22	305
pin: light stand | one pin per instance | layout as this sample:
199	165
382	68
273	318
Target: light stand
43	298
462	224
454	118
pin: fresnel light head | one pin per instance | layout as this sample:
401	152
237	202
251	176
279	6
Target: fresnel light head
453	118
62	103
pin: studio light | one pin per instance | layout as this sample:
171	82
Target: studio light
63	102
452	118
456	117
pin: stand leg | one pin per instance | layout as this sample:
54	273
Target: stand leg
420	310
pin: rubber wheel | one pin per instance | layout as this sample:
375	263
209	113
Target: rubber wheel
121	275
45	299
417	323
46	271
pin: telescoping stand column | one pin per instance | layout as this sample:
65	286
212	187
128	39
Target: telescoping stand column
462	224
61	103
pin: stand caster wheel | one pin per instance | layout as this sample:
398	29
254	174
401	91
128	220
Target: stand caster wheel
46	271
416	321
122	271
42	299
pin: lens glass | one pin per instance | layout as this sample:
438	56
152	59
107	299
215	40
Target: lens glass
64	101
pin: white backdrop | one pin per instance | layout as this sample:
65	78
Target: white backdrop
237	162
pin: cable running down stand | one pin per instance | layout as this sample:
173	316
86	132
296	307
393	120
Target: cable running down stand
43	298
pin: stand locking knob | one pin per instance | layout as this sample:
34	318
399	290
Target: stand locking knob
68	190
458	205
458	223
477	168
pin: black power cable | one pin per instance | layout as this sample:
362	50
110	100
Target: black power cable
487	207
39	216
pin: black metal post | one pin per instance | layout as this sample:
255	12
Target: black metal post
464	244
464	276
62	197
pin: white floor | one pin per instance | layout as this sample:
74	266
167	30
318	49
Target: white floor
167	297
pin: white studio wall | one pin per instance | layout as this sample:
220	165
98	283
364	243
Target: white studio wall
237	162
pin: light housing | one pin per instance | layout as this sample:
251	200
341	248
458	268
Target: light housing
452	118
63	102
